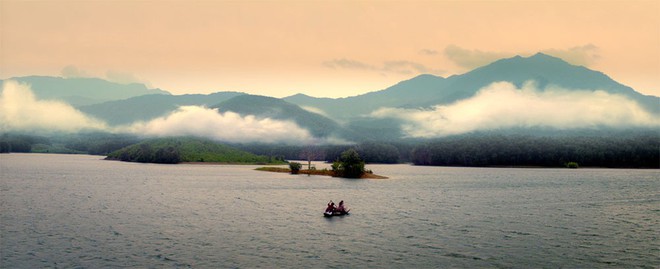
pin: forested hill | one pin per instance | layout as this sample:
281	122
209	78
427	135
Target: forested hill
274	108
148	107
612	149
177	150
619	149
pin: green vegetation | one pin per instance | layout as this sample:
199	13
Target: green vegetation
18	142
573	165
370	152
295	167
614	151
349	165
176	150
95	143
515	148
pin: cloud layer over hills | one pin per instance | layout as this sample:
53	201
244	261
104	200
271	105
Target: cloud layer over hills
21	111
228	126
499	96
503	105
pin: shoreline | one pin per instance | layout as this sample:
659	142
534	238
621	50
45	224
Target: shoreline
228	163
105	157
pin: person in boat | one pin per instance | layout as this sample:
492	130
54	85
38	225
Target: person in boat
341	208
331	207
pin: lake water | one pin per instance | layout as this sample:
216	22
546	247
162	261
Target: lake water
78	211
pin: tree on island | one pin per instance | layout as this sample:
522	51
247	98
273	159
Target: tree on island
349	165
295	167
311	153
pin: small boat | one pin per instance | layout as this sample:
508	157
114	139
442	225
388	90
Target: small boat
335	213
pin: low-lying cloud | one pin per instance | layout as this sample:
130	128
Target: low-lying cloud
393	67
581	55
429	52
124	78
315	110
121	77
228	126
21	111
471	59
72	71
503	105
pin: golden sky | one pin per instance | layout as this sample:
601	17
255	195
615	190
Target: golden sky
321	48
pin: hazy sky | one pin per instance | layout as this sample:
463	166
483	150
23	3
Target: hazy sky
321	48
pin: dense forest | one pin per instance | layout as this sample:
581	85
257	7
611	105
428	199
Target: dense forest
614	149
94	143
187	149
370	152
620	150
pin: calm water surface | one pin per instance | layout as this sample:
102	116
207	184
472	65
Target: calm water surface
78	211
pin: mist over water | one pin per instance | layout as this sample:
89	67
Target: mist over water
80	211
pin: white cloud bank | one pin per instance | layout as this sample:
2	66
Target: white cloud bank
228	126
20	110
503	105
471	59
585	55
315	110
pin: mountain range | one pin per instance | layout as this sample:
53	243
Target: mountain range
83	91
151	106
349	118
429	90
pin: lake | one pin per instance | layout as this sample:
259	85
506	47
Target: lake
79	211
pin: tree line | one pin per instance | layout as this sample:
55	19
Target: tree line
616	149
621	151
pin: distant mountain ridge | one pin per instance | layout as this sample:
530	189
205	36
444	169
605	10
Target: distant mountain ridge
408	93
83	91
428	90
148	107
348	118
274	108
545	70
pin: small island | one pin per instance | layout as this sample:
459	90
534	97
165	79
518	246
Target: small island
322	172
349	165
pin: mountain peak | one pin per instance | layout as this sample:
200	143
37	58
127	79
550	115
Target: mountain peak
540	62
427	76
539	57
299	95
545	57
